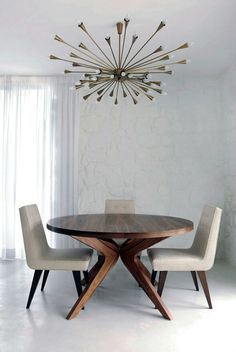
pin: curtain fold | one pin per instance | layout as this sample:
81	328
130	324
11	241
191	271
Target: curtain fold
39	146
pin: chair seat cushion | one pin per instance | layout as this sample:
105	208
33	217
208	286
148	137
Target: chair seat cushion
174	259
76	259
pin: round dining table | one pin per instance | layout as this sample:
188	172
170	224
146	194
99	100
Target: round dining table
99	231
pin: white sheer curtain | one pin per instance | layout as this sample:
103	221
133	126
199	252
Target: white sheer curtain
39	138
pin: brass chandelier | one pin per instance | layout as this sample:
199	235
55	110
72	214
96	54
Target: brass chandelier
124	73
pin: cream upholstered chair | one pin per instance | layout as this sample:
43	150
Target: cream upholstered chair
122	206
40	256
116	206
198	258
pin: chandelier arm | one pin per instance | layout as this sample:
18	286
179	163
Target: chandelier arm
81	52
98	57
117	91
110	46
104	75
119	52
112	92
123	44
143	85
128	90
97	83
145	57
157	83
102	79
113	84
146	63
76	72
161	55
134	81
148	68
136	93
57	38
119	27
108	84
123	90
140	63
150	97
127	55
94	82
99	62
52	57
106	90
100	66
138	73
88	95
151	72
83	81
78	64
180	62
147	41
78	86
89	35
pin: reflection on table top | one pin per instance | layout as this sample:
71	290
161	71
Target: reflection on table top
120	225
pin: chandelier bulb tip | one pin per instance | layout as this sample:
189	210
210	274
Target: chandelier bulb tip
127	18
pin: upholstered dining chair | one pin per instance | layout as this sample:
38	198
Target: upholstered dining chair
122	206
198	258
116	206
41	257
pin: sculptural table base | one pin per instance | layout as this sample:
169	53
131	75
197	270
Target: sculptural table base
128	252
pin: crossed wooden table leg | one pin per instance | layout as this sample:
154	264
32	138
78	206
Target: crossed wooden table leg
111	252
129	255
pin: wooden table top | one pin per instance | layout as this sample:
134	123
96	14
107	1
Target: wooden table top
131	226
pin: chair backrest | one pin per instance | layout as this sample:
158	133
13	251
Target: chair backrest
114	206
35	241
206	237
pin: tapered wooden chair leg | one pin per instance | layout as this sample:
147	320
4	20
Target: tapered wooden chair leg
45	276
161	282
153	278
77	279
203	279
194	276
34	285
86	276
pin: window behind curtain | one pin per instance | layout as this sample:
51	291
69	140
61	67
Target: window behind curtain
35	114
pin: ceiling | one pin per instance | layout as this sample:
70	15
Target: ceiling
28	28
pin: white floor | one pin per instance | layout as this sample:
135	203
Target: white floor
119	317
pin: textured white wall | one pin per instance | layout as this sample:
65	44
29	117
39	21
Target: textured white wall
165	155
228	84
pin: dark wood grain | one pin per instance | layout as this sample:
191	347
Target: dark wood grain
203	279
140	231
194	276
161	281
130	226
105	263
131	260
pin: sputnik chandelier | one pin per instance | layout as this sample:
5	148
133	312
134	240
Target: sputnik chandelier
123	74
